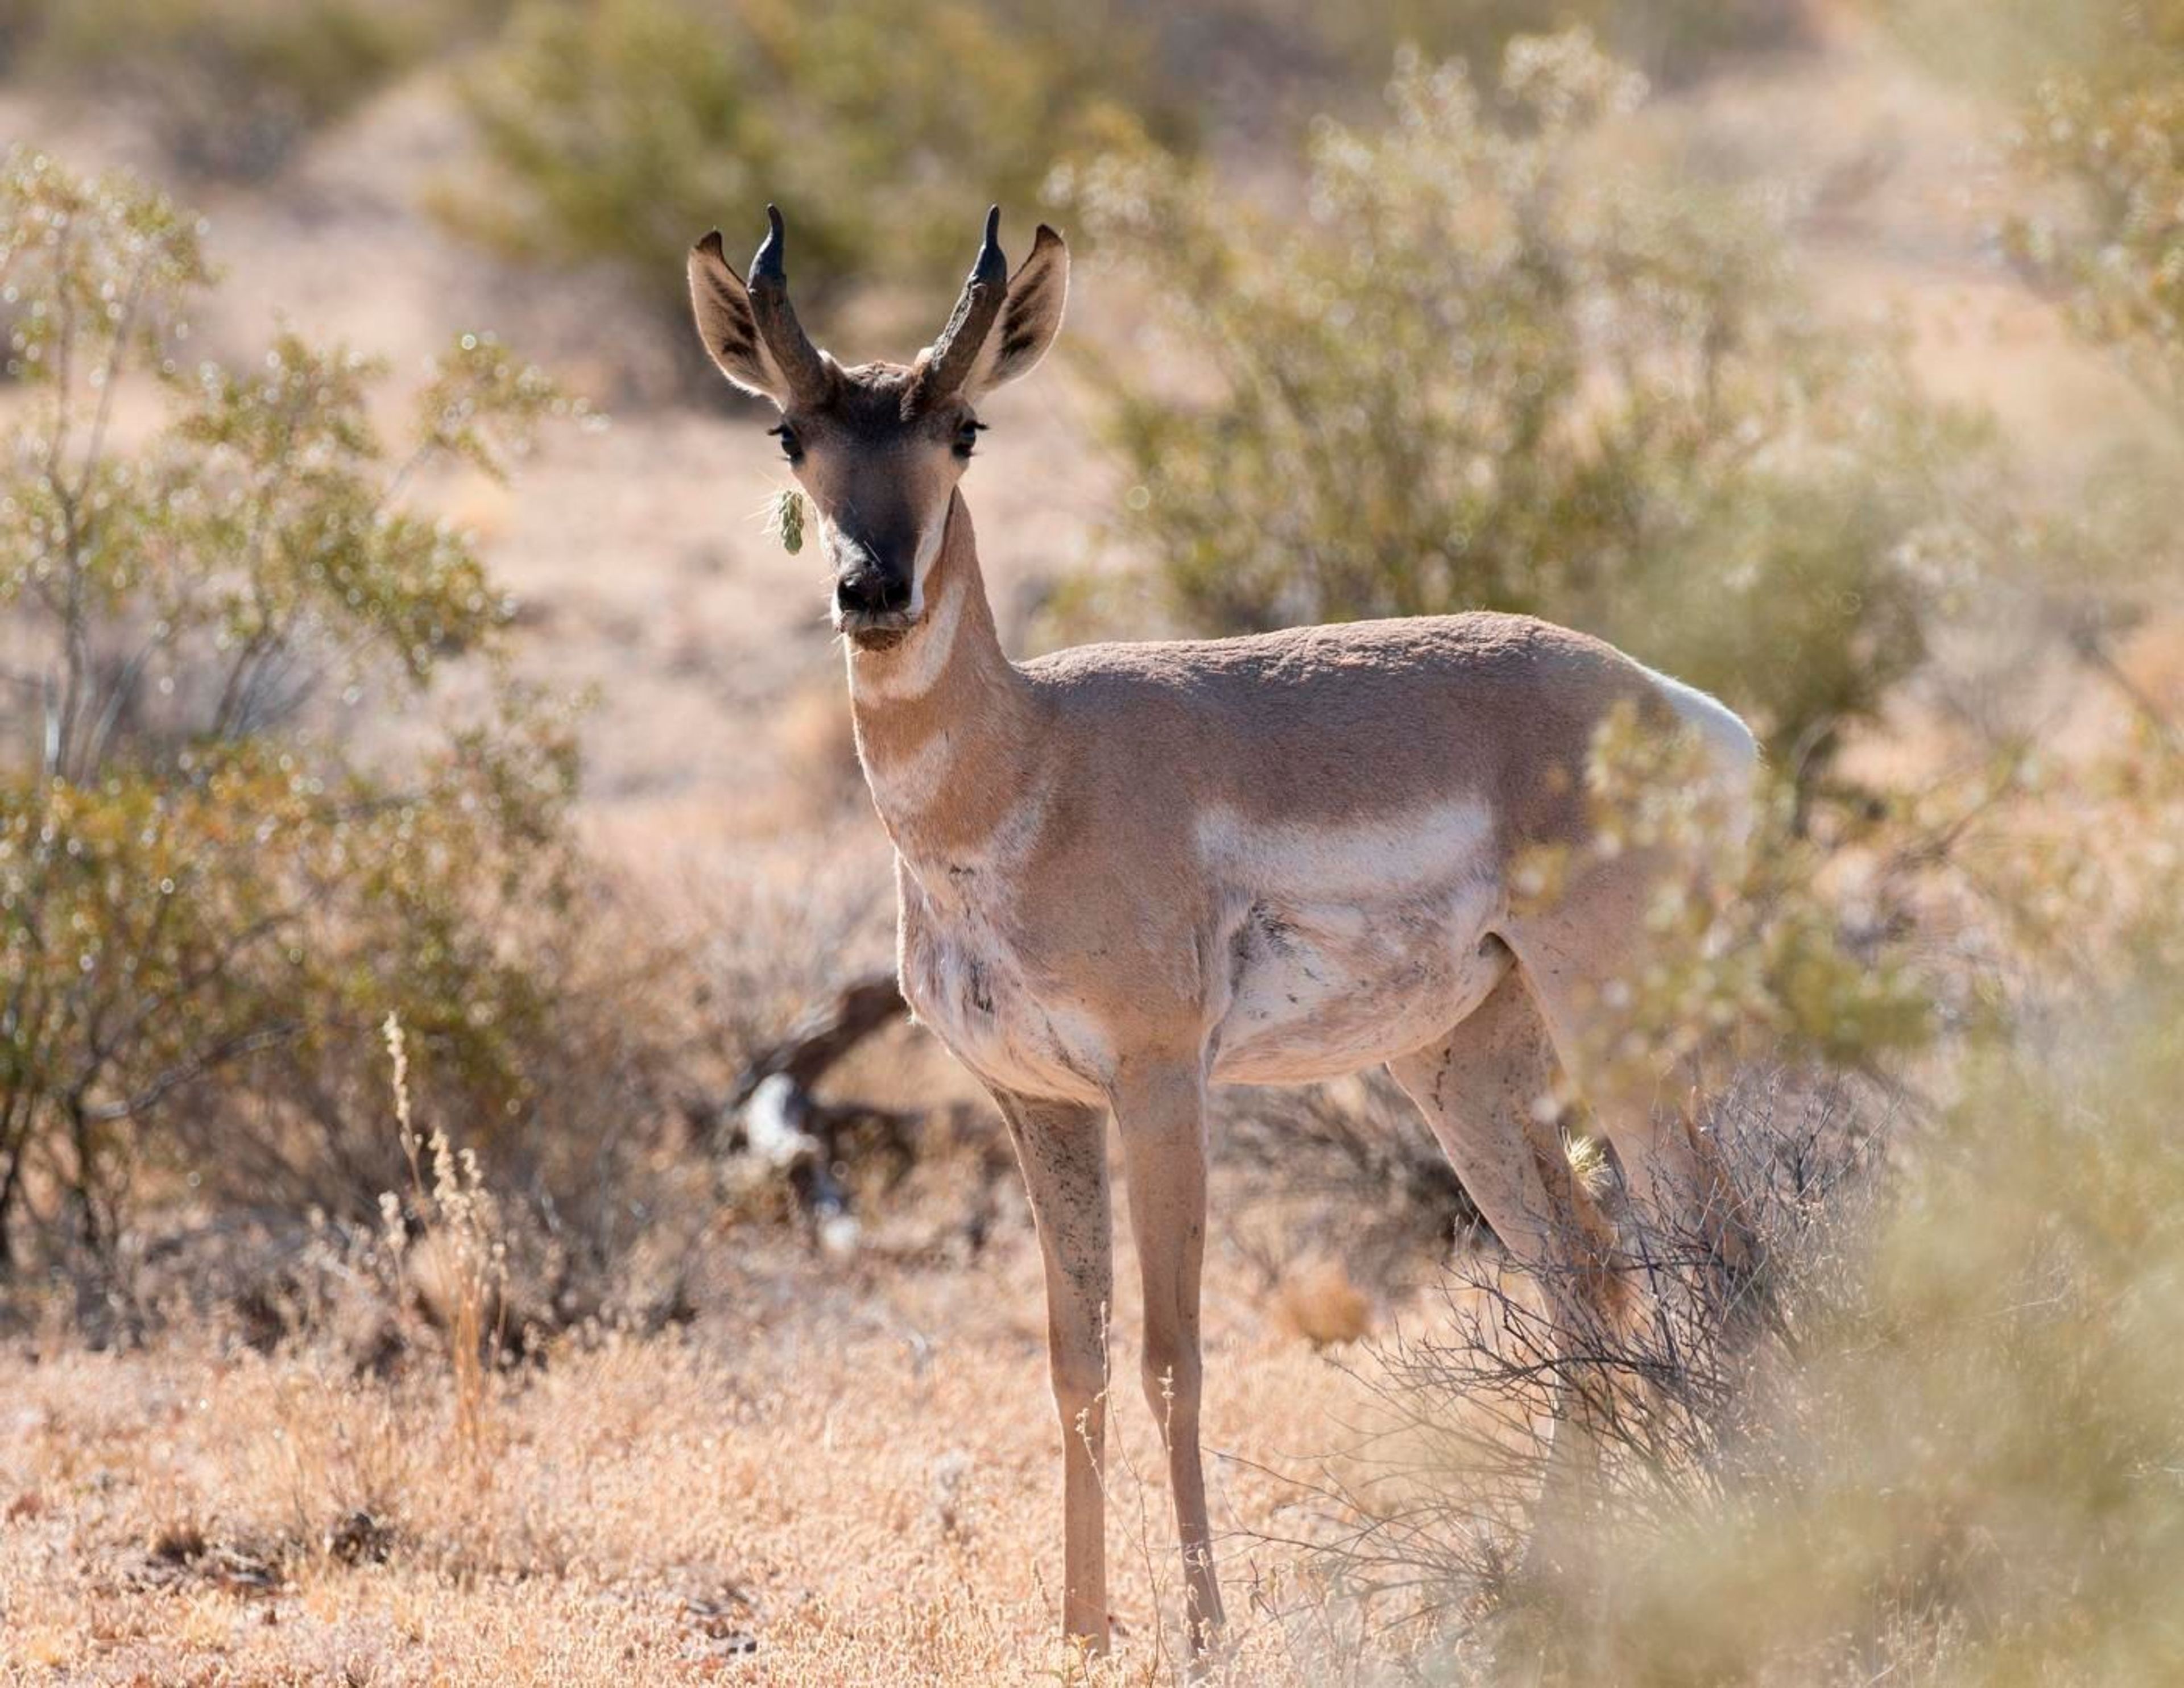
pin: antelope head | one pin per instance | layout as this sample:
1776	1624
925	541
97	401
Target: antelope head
879	447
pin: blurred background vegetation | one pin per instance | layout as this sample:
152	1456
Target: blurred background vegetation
1829	355
231	87
1521	376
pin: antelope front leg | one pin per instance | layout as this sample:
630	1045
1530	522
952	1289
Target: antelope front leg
1162	1115
1062	1148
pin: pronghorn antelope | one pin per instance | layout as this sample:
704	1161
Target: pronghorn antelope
1128	872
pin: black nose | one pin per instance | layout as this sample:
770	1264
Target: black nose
866	591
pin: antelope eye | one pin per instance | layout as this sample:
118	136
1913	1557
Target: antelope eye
966	438
792	448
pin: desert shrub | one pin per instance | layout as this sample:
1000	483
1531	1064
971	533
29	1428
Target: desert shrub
1970	1471
1349	1169
2090	111
1674	40
214	889
1488	366
231	87
1950	1451
2122	147
1952	1457
2097	93
2005	46
619	130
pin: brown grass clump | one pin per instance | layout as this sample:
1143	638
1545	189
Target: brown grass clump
461	1264
1318	1302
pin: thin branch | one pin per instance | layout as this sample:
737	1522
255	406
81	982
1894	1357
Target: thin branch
2093	649
110	377
231	1049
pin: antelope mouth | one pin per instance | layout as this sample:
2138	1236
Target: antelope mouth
876	629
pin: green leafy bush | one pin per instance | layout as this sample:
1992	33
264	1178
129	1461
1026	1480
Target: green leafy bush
618	130
1488	367
212	894
1967	1471
1673	40
2005	47
2098	92
2120	143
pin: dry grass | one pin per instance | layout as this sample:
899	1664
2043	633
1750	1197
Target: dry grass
835	1475
460	1262
840	1470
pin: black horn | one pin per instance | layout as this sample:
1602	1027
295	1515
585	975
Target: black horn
983	290
784	336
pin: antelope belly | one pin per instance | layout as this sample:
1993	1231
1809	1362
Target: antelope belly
1351	943
1317	990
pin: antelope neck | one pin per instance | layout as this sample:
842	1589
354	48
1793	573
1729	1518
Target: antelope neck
946	725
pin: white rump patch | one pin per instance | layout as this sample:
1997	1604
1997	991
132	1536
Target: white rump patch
1728	740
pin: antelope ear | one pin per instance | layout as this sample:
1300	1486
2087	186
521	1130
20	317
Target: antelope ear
727	326
1029	318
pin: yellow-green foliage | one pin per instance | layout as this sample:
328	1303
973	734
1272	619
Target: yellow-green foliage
2124	150
1672	39
1745	950
2097	88
1480	363
1975	1473
231	85
201	879
622	130
2005	45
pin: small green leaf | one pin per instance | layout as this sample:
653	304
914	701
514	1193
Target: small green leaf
788	522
